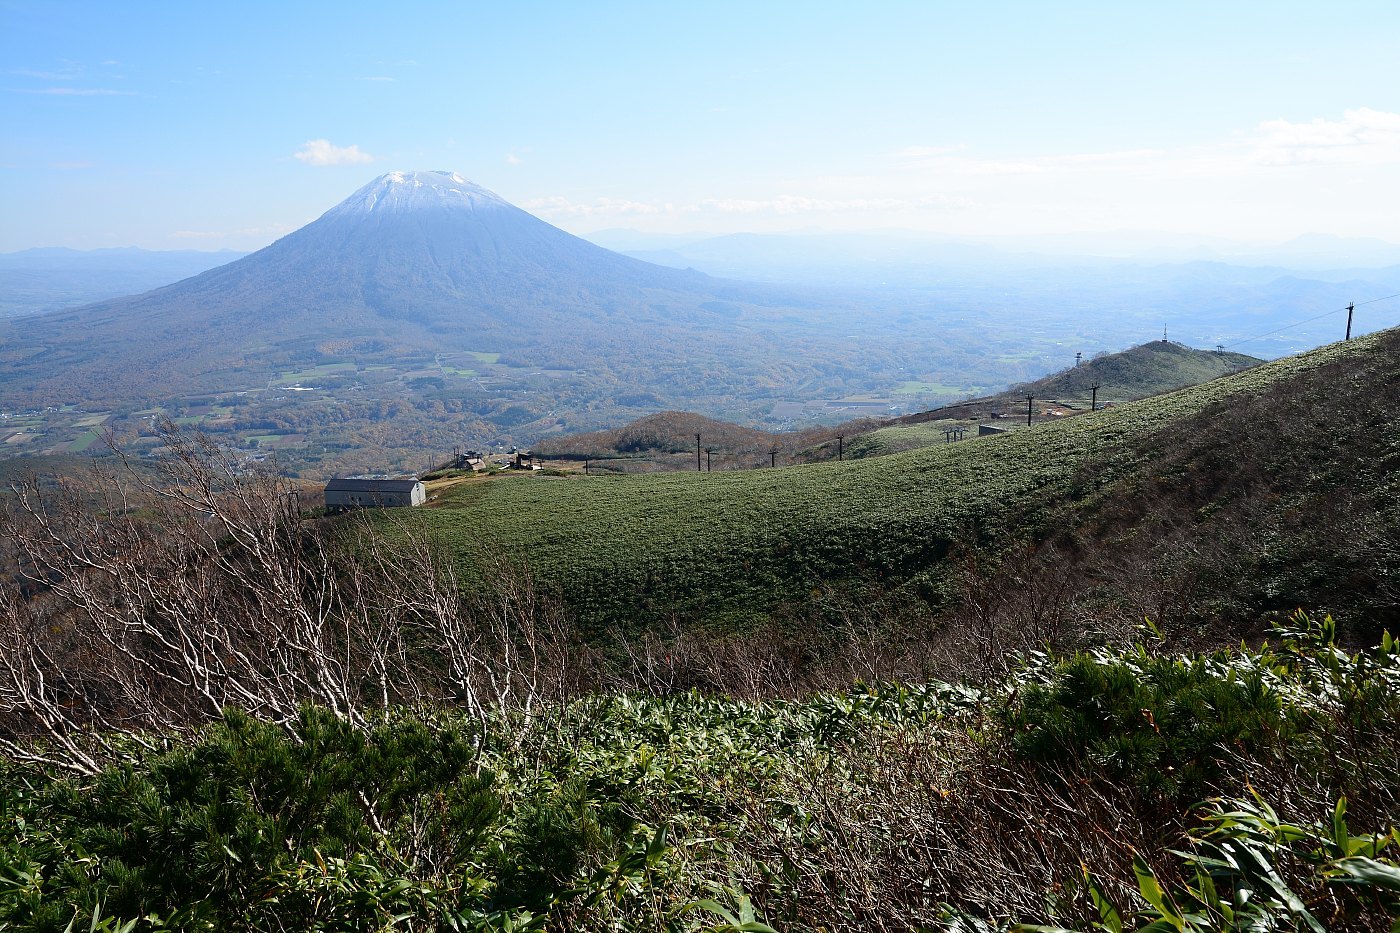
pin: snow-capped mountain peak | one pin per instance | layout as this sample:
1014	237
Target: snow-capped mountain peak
397	192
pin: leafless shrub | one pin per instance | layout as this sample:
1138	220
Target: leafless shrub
138	606
825	645
675	657
504	644
1024	600
908	820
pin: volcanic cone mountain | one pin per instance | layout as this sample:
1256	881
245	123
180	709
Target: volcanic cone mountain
413	261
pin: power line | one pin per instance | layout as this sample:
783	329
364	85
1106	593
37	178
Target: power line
1319	317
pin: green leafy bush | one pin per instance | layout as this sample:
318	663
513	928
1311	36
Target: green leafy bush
203	829
1249	869
1164	724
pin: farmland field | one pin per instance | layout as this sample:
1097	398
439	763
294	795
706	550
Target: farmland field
937	388
84	442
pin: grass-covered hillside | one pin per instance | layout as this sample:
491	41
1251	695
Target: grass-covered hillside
1283	472
1147	369
1136	373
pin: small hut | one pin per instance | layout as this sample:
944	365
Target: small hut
342	494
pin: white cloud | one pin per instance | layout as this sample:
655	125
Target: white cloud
1267	179
379	78
80	92
559	206
321	152
1362	135
795	204
512	159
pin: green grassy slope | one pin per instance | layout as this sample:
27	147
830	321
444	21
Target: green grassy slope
726	545
902	437
666	441
1138	372
1148	369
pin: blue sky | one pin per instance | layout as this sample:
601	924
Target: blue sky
194	125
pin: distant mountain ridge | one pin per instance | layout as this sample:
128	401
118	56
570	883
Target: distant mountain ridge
33	281
892	248
425	312
416	249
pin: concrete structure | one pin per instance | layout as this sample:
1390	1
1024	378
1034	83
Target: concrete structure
984	429
344	494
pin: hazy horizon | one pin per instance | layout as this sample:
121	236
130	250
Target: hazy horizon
1125	244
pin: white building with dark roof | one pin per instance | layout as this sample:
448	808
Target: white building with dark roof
344	494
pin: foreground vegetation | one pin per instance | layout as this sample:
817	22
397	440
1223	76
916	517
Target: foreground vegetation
885	807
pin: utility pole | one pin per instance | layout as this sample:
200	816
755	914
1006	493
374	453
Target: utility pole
585	466
840	447
773	457
708	451
1094	402
1029	399
1350	308
697	453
